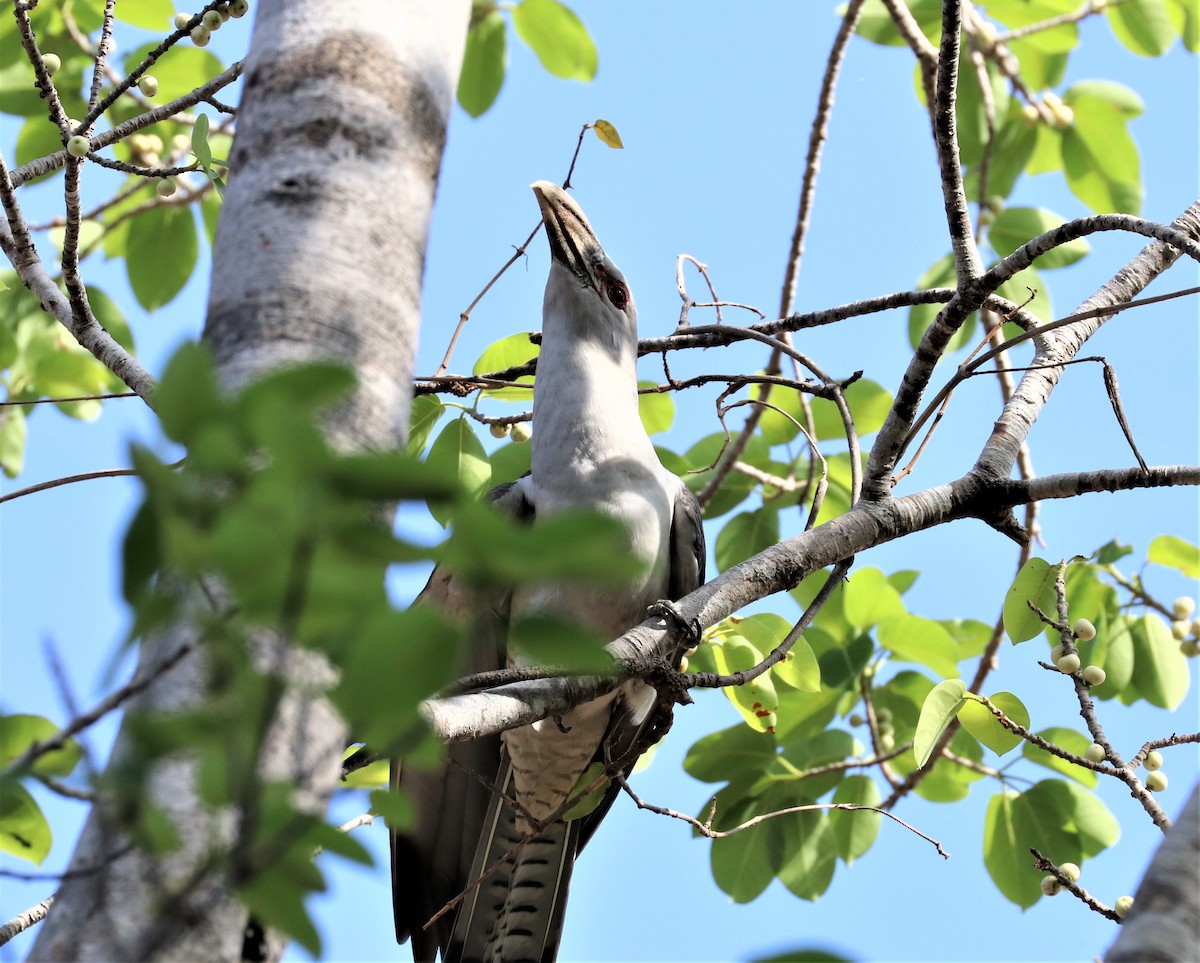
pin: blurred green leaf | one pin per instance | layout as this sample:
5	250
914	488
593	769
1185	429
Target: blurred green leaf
24	831
155	279
1160	671
484	63
558	37
457	454
744	535
1015	226
657	410
855	831
1175	552
508	352
1143	26
1069	740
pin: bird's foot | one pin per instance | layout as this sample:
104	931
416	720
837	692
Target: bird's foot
688	630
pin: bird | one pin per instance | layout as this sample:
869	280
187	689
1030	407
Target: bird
589	451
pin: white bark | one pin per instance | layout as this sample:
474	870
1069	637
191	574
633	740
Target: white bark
319	255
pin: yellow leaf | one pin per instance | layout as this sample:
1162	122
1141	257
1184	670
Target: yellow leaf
608	133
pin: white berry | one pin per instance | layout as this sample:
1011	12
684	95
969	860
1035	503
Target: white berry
1068	664
1057	653
1050	885
52	63
182	20
1123	905
1094	753
1181	629
165	187
1156	781
201	35
78	146
499	430
1070	870
1184	606
520	431
1094	675
1153	761
212	19
1084	630
148	85
238	8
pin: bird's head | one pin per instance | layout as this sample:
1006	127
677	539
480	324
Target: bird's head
586	291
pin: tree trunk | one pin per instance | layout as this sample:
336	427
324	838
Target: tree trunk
319	255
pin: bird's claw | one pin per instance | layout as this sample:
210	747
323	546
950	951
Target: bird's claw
689	629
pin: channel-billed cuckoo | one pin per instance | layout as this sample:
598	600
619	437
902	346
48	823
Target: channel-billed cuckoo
590	451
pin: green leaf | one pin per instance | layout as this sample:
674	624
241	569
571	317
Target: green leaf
187	396
1015	226
156	279
593	799
744	535
978	720
811	856
18	732
511	461
368	777
1160	671
457	454
1143	26
938	711
870	599
921	316
724	755
1174	552
24	831
1034	583
558	37
1014	146
855	831
735	487
426	411
799	670
756	700
914	639
509	352
657	409
1186	18
742	863
1100	158
12	441
1002	852
1069	740
869	404
154	15
484	63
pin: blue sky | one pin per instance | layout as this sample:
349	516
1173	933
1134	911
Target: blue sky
713	102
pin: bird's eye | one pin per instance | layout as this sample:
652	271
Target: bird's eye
618	294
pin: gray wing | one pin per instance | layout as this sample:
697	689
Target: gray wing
686	568
431	863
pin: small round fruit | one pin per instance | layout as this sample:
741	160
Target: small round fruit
1156	781
1084	630
1190	648
212	19
238	8
500	430
148	85
1094	753
1153	761
78	146
856	720
1068	664
52	62
1071	871
1057	653
1123	905
165	186
1094	675
883	716
182	20
1181	629
223	10
1183	607
887	742
201	35
683	664
1050	886
520	431
1030	113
